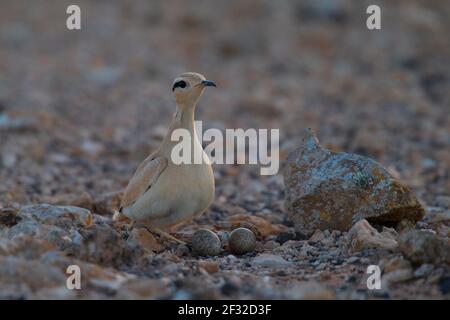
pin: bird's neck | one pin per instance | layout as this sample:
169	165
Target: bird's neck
184	118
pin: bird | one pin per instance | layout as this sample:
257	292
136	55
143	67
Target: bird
163	194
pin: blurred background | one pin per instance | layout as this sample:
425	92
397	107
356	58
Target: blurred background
80	109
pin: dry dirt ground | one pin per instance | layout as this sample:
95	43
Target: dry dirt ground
80	109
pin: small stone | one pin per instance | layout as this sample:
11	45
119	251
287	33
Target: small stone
321	266
271	245
182	250
270	261
336	233
352	260
423	271
396	263
421	246
443	201
210	266
242	240
206	242
400	275
230	258
437	216
363	236
317	236
285	236
306	251
310	290
435	276
328	242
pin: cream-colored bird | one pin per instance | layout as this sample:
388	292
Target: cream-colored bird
162	194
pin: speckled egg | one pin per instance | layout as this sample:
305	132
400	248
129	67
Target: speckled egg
242	240
206	243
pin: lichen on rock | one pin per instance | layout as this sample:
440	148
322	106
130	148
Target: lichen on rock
329	190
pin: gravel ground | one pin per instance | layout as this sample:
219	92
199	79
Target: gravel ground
79	110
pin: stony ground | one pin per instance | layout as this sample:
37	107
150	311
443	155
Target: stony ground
80	109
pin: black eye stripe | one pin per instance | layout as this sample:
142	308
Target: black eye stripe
181	84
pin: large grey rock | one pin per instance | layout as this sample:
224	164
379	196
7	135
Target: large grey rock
328	190
61	216
56	224
102	245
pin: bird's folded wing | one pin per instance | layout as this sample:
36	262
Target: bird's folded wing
146	174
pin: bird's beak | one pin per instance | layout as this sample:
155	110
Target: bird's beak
207	83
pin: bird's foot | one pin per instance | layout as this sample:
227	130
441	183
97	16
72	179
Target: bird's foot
164	234
120	217
123	220
131	226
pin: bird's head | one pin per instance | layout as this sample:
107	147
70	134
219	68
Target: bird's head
188	87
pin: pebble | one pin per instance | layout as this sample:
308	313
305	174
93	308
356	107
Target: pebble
423	246
270	261
242	240
271	245
285	236
443	201
321	266
317	236
210	266
352	260
423	271
316	263
182	250
363	236
206	243
231	258
400	275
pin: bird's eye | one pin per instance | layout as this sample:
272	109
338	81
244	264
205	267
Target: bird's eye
180	84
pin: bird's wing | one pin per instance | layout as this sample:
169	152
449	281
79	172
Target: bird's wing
145	176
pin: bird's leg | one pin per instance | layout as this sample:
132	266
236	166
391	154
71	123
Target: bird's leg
131	226
164	234
121	218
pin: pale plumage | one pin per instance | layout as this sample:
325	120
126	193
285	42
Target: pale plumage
161	193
